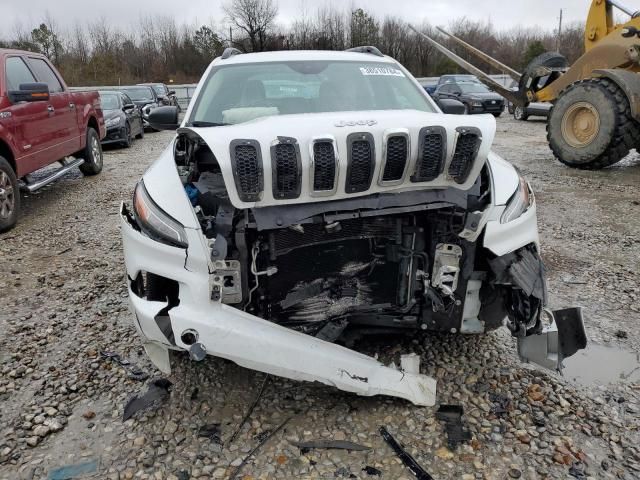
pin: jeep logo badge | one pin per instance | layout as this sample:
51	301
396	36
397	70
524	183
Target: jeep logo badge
353	123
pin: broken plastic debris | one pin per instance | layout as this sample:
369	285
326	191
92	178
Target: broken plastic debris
410	363
157	392
372	471
330	445
451	415
210	431
73	471
408	461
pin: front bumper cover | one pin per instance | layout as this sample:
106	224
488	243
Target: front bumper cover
245	339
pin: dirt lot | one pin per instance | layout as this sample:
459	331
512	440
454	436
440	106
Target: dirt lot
63	303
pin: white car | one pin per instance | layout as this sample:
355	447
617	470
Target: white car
311	198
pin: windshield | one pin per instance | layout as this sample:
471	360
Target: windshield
109	101
160	89
240	93
138	94
473	88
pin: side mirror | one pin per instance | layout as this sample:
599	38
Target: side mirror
171	92
164	118
130	107
30	92
451	107
457	94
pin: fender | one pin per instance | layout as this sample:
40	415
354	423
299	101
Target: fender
7	143
629	82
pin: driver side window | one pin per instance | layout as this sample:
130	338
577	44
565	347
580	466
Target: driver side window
17	73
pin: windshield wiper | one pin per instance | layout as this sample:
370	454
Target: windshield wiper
198	123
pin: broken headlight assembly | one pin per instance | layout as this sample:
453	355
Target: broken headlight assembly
518	203
154	221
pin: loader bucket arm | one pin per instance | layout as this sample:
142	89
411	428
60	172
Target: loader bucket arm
483	56
513	97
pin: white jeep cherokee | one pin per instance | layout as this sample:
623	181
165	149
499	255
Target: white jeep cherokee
310	198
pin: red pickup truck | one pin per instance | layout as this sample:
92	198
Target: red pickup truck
41	123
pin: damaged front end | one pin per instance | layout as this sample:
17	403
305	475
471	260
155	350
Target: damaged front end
286	258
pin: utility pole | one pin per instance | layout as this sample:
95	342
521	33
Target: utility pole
230	36
559	39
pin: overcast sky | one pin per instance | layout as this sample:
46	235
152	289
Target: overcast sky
502	13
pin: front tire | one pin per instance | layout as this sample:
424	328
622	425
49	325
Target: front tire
9	196
520	115
590	126
128	141
497	115
92	154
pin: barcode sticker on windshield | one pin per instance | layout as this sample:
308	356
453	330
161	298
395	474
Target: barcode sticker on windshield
384	71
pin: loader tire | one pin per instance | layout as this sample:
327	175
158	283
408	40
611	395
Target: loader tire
530	81
590	125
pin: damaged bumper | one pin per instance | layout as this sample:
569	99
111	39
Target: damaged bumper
562	337
245	339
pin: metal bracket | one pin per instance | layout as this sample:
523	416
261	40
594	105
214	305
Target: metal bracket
446	268
227	287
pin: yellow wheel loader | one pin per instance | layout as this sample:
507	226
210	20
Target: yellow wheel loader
594	120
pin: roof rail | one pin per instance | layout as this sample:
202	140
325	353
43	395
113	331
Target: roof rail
366	49
230	52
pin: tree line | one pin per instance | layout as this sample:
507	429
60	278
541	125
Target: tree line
159	49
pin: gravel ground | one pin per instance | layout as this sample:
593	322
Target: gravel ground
64	302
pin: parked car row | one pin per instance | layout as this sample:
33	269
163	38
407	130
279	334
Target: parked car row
127	110
474	95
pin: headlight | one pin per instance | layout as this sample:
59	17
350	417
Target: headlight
519	203
112	122
476	103
156	223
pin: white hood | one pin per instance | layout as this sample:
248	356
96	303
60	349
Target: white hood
307	128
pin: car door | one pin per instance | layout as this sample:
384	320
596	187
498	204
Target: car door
29	120
63	128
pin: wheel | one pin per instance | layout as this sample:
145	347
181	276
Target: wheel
497	114
590	125
530	78
519	114
128	138
92	154
9	196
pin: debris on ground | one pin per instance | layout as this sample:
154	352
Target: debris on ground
212	432
577	471
263	440
343	472
133	371
372	471
69	472
157	392
408	461
330	445
622	334
501	404
250	411
451	415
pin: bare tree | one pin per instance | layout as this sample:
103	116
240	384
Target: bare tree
255	18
